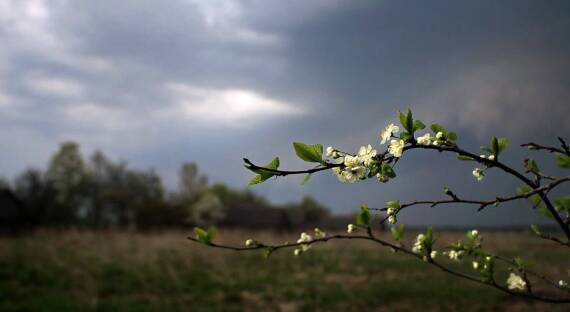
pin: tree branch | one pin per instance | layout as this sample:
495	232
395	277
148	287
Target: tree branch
482	203
384	243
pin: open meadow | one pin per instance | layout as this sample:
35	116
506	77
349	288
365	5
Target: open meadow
122	271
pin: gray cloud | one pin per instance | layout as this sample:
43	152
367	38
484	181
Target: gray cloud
160	83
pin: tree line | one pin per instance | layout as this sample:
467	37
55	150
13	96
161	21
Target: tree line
99	193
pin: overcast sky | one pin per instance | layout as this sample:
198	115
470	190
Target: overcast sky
157	83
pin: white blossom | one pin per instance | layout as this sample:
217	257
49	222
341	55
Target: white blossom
419	243
351	228
439	135
515	282
562	283
338	172
351	161
425	139
353	169
482	156
387	132
433	254
297	252
319	233
330	151
355	174
396	147
491	157
475	265
366	155
478	173
455	255
305	238
350	174
250	243
392	219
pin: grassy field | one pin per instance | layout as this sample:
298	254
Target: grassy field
119	271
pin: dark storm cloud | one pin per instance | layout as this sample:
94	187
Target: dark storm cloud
213	81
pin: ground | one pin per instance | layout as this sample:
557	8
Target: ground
121	271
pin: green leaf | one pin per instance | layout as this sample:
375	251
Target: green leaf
545	212
429	238
405	136
211	233
418	125
486	149
523	189
363	217
503	142
535	229
263	175
562	203
535	199
306	178
397	231
563	161
395	204
498	145
201	235
410	122
388	171
267	251
463	157
452	136
407	121
309	152
403	117
531	165
495	146
437	128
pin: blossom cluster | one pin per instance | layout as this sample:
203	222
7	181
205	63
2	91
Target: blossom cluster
427	139
419	244
305	240
479	173
392	208
515	282
356	167
483	265
454	255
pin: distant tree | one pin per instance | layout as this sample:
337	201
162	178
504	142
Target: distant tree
312	210
98	175
231	197
67	173
209	209
39	198
191	182
192	186
4	184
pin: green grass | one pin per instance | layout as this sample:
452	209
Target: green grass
115	271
